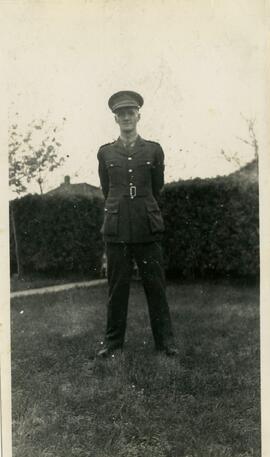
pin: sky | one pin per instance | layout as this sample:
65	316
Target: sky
199	65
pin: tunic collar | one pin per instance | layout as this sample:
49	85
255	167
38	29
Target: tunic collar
129	144
138	143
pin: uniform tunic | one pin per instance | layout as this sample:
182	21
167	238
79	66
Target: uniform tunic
131	180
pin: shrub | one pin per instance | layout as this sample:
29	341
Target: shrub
211	228
211	231
58	234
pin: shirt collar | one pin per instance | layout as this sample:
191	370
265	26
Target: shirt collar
129	143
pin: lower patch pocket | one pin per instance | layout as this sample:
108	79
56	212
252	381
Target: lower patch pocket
111	216
154	217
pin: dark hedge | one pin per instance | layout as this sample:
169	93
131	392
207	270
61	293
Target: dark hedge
58	234
212	228
211	231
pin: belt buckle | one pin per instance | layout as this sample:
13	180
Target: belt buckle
132	191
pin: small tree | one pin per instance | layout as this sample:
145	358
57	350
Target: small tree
32	154
30	157
253	142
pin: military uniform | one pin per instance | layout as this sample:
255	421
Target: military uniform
131	179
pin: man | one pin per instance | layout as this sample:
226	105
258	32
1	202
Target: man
131	172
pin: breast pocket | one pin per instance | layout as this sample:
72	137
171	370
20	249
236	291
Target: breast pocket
155	218
111	218
115	171
143	172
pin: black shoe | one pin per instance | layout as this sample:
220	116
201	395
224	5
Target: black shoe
106	352
171	351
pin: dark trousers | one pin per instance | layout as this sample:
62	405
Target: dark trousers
149	259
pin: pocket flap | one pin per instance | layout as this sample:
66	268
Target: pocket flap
113	163
145	163
112	207
152	206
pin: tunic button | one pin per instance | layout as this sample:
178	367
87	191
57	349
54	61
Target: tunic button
130	170
131	183
129	158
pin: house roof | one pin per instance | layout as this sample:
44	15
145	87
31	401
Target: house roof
85	189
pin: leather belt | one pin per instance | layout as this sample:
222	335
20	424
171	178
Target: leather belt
131	192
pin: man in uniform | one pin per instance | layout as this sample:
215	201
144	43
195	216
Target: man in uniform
131	172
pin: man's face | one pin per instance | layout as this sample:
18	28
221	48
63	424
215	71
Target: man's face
127	119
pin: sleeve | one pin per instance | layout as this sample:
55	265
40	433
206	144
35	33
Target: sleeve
103	174
158	172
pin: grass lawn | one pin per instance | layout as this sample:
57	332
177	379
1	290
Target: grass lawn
204	403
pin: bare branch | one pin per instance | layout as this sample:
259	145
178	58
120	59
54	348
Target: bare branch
24	167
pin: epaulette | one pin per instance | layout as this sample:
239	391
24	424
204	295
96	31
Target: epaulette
107	144
150	141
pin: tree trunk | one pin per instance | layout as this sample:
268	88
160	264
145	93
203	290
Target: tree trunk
14	228
40	183
40	187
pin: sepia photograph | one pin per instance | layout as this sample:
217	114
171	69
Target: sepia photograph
134	252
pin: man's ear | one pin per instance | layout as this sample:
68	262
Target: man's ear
116	119
138	116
